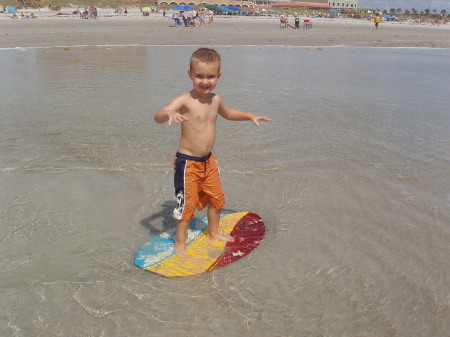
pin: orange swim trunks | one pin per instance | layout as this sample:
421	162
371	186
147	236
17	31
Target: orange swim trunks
197	184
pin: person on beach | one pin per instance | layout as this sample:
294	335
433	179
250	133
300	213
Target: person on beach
211	17
283	21
377	20
297	22
197	179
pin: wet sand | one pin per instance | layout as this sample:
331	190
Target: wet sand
50	30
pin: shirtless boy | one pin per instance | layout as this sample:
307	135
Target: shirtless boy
197	179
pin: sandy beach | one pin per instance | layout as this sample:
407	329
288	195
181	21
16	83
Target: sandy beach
52	30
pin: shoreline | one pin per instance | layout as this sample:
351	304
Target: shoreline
51	30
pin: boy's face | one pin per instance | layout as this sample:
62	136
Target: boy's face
204	77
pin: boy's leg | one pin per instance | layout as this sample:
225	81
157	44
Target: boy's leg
180	243
213	226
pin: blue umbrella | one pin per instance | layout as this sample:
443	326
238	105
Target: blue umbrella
183	8
224	9
11	9
334	11
233	8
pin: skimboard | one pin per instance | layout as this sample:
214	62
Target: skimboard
158	254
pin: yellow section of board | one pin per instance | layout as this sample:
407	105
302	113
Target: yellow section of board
203	251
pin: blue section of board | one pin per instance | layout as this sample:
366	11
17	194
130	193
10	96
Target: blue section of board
160	247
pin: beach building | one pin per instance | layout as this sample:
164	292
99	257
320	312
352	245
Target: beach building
344	4
202	3
313	4
264	4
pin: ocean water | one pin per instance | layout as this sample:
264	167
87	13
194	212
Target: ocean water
352	179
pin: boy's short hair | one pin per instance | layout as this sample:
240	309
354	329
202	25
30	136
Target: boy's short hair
206	55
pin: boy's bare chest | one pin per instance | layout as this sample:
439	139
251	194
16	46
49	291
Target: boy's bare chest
202	112
202	116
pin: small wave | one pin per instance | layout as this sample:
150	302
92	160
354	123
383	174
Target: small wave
147	168
214	45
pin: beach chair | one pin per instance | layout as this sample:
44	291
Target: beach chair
177	22
307	24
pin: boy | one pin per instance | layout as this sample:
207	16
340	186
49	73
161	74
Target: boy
197	179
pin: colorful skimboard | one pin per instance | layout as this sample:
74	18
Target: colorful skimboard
158	255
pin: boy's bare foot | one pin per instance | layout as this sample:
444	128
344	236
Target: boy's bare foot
180	250
221	237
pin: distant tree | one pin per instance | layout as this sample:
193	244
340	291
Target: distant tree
384	11
427	12
443	13
422	13
407	12
392	10
399	10
414	11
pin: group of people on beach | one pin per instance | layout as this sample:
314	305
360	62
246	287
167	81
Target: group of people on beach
22	15
421	21
284	22
89	12
195	18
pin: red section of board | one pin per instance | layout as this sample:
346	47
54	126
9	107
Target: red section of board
248	233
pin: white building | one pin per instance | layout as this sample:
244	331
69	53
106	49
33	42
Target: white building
344	4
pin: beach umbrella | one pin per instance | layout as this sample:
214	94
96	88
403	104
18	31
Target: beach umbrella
11	9
146	9
233	8
334	11
183	8
214	8
224	9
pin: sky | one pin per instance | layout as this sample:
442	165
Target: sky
407	4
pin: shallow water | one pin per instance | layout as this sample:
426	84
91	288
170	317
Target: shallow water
352	180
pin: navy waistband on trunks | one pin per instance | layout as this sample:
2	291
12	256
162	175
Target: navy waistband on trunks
198	159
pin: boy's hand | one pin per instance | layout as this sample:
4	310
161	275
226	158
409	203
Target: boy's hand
169	116
176	117
255	119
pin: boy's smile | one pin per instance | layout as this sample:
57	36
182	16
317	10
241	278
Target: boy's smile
204	77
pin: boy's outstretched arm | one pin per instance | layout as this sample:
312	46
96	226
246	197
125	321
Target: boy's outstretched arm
171	112
239	115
